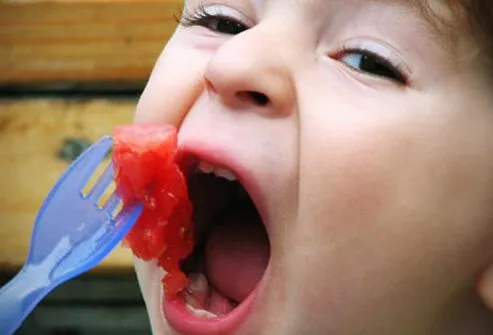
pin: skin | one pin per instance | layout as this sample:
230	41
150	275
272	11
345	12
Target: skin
378	205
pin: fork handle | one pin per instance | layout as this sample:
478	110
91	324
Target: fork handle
19	297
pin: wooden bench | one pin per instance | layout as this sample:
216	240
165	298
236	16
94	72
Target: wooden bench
73	44
69	70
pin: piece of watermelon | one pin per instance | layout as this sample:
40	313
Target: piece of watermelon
147	171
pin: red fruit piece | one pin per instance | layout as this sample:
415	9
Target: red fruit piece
146	171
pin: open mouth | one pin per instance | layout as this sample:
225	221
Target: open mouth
230	257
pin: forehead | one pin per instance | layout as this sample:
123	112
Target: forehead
436	19
430	9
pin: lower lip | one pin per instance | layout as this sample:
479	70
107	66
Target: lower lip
186	323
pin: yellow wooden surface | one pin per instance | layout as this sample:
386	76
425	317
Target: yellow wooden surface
114	41
31	135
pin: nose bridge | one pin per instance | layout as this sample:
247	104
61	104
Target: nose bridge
257	61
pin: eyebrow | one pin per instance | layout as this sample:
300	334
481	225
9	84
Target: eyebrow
440	29
437	27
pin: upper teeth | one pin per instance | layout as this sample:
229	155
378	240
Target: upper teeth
219	172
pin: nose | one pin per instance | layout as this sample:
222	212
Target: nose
250	71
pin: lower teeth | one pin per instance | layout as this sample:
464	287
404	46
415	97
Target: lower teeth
200	312
196	295
203	300
196	291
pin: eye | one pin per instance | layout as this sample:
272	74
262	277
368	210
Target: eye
367	62
212	19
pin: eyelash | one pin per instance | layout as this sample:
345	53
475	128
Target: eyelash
395	71
198	16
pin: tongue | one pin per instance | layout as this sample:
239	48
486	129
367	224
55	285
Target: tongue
237	253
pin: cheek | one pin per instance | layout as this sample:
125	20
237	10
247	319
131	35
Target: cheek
426	172
391	206
175	83
349	180
349	168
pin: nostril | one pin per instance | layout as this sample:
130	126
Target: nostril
257	97
260	98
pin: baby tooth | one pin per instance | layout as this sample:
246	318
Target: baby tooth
197	283
206	167
197	290
200	312
226	174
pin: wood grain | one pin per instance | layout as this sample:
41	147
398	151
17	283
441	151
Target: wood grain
32	133
73	42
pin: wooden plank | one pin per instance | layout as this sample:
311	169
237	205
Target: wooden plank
32	133
67	42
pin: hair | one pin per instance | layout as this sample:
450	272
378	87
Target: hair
481	23
474	16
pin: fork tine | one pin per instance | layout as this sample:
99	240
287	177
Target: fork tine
112	203
102	184
124	221
87	163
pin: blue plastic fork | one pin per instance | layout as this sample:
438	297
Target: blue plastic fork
71	235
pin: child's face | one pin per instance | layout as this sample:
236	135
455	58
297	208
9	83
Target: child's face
367	149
